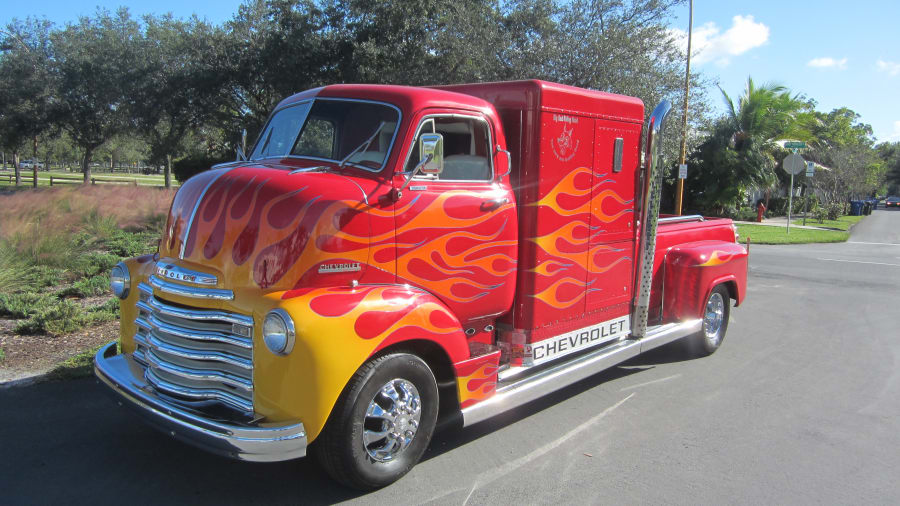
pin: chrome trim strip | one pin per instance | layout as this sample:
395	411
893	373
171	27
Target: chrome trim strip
197	393
152	342
250	441
651	191
153	304
154	323
197	374
190	291
679	219
190	223
545	380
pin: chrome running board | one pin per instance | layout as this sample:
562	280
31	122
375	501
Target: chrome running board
547	379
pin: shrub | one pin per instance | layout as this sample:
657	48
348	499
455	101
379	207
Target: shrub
192	165
24	305
87	287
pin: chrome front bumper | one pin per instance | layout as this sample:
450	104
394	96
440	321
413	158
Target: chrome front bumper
252	441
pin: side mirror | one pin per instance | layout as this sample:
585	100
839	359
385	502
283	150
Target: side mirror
242	148
433	145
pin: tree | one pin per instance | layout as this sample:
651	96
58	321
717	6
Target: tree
25	87
740	152
96	68
889	152
181	85
846	146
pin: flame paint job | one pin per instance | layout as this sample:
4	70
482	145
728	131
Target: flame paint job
581	203
449	243
338	329
262	227
476	378
717	257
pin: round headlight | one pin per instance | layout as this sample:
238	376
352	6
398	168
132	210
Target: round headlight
120	281
278	332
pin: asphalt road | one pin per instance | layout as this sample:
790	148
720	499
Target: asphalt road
801	405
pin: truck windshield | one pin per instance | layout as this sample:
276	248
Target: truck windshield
331	129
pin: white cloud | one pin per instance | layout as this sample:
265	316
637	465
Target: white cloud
896	135
709	43
828	62
892	68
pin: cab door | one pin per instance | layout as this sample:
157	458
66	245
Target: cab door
612	243
456	232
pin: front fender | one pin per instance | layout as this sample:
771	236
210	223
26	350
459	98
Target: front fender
693	269
337	330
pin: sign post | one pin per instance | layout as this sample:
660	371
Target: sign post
810	170
792	164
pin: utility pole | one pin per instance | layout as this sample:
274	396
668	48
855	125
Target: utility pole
679	191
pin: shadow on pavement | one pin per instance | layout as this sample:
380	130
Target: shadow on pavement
68	442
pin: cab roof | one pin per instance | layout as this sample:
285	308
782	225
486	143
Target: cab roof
407	98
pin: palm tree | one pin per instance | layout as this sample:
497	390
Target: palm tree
762	115
765	113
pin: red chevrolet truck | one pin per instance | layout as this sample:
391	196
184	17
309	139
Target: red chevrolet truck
389	256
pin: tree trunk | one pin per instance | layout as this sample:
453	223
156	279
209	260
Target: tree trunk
16	168
86	165
168	171
34	161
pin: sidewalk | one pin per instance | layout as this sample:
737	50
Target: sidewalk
781	221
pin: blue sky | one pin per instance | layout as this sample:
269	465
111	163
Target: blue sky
842	54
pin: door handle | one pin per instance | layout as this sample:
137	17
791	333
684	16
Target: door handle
494	203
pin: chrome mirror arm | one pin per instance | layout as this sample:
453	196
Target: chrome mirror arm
411	174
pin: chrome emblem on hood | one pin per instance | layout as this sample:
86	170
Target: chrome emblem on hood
344	267
174	272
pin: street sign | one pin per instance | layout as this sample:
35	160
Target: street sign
794	145
793	164
810	169
682	171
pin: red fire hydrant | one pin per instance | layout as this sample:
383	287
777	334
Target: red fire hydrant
760	211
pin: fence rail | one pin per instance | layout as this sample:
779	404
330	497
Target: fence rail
56	179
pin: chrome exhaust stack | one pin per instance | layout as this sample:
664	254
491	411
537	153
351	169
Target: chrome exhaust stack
652	191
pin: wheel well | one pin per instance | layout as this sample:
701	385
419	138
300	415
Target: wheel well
732	289
440	365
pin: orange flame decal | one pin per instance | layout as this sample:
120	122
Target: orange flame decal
717	257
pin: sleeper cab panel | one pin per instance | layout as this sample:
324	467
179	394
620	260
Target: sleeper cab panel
555	271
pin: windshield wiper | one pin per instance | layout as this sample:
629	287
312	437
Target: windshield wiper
363	146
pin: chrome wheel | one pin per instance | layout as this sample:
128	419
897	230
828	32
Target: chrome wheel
392	420
713	318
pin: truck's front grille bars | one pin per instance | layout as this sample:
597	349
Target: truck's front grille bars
195	354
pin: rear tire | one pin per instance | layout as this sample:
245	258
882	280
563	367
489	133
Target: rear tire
716	313
382	423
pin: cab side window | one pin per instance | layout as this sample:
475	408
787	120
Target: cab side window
466	148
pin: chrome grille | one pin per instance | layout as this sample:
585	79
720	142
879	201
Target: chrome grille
195	354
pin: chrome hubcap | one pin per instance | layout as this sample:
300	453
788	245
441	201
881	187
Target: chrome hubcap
713	318
392	420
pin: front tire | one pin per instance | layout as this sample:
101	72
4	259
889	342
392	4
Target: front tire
382	423
715	322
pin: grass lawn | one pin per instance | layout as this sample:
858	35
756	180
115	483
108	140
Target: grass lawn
842	223
57	246
765	234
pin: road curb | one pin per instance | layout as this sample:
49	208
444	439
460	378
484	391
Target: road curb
26	381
